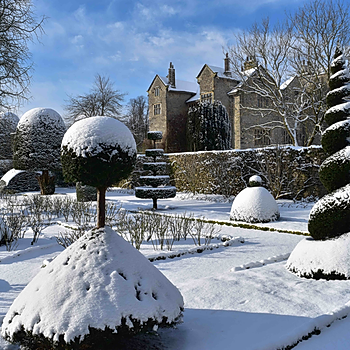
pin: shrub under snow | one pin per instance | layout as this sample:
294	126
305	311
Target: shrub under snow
254	204
97	287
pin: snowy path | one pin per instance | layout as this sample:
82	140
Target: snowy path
226	307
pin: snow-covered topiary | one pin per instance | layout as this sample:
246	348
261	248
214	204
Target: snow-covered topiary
208	127
328	259
255	181
96	290
8	124
254	204
155	186
98	151
37	144
329	217
327	254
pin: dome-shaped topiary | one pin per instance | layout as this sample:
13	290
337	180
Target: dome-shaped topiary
330	216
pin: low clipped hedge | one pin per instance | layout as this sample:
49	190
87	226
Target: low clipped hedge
287	172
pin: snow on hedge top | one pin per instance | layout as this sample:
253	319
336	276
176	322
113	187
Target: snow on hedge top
99	281
86	136
254	204
35	117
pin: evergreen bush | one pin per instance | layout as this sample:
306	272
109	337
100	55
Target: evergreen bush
330	216
37	145
208	127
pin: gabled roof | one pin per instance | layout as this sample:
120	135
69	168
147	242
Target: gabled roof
219	71
245	75
181	85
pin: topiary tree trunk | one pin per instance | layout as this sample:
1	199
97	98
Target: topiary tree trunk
101	207
46	183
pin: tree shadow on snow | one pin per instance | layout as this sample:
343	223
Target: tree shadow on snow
224	330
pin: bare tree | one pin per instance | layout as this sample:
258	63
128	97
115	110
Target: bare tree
18	26
291	66
136	119
103	100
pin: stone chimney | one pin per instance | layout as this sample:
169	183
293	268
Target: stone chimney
171	75
250	63
227	65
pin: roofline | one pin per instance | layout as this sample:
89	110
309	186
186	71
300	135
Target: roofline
157	75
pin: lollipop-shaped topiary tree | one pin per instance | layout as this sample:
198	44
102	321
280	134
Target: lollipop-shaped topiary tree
98	151
155	186
100	290
326	256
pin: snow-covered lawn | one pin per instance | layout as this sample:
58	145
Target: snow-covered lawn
238	296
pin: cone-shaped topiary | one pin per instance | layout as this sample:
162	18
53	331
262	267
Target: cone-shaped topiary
90	296
98	151
330	217
37	144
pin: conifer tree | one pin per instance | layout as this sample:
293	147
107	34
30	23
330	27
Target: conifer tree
208	127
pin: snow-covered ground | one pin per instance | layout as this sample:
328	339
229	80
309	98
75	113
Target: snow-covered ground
236	296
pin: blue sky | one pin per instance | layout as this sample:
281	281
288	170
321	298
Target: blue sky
131	41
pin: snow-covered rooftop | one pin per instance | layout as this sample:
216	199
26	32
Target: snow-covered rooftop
194	98
286	83
181	85
221	73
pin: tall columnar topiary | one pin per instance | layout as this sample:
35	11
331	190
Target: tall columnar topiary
37	144
98	151
208	127
155	186
330	217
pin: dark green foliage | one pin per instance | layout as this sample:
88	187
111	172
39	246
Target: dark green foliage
37	141
85	193
8	124
331	218
100	170
155	135
138	338
335	171
332	215
336	138
208	127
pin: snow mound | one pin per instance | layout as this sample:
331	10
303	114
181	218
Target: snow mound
328	259
99	281
254	204
87	137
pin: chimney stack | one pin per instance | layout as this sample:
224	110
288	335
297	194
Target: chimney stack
171	75
227	65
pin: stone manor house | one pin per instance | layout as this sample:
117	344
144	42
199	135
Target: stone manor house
169	100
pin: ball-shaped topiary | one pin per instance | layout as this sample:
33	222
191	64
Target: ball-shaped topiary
330	216
37	144
98	151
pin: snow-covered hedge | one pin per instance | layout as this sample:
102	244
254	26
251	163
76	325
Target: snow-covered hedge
285	171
